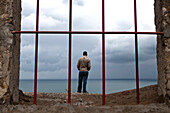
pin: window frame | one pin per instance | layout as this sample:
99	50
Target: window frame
70	32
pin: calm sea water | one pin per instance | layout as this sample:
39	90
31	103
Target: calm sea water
93	86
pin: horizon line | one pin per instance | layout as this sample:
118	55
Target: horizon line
99	79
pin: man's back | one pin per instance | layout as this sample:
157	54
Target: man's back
84	64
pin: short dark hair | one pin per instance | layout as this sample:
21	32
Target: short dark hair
85	53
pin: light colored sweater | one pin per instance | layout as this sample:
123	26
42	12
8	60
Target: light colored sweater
84	64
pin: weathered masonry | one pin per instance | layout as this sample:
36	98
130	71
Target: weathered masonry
10	19
162	21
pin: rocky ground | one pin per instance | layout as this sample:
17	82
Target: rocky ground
122	102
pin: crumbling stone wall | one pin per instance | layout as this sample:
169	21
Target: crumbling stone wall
10	19
162	21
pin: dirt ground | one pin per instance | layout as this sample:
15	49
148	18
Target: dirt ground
148	95
121	102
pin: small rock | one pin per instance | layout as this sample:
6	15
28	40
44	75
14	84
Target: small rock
65	101
129	97
80	100
114	101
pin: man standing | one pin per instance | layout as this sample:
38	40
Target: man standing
83	66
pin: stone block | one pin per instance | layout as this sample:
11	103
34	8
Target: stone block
168	84
166	31
3	88
168	93
167	72
167	49
169	58
164	91
168	76
0	65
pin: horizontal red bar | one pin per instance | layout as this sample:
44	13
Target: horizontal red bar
85	32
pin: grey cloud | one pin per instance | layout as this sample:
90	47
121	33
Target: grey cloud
149	27
49	61
120	56
65	1
27	40
28	9
46	62
148	46
27	12
52	53
79	2
120	70
51	67
62	17
27	65
57	41
122	25
86	23
148	70
150	50
123	50
27	59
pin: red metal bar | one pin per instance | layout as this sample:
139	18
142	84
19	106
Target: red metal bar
103	51
36	54
69	65
85	32
136	53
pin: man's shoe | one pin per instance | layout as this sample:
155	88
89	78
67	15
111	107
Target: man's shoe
85	92
78	91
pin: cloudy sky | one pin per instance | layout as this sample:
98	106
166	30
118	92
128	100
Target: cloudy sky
120	49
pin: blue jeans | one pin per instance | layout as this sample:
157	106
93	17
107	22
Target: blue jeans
83	75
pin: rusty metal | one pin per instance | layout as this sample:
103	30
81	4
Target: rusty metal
69	64
85	32
103	51
36	54
136	53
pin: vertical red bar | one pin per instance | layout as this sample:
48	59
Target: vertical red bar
103	51
36	54
69	65
136	53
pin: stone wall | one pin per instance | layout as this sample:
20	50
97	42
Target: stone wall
162	21
10	19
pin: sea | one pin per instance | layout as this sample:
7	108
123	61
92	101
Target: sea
94	86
